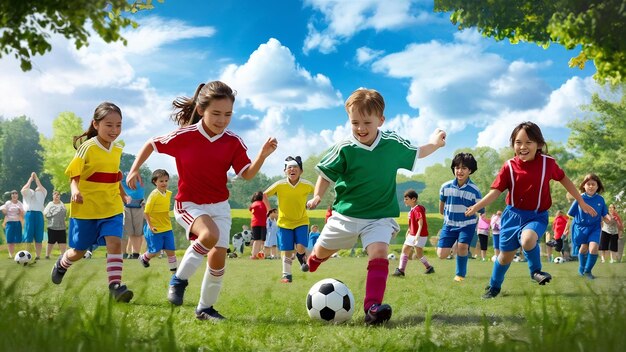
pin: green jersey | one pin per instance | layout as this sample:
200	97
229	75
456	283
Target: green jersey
365	176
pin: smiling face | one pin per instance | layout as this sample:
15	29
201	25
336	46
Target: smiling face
525	149
462	173
162	183
56	197
109	128
14	197
365	127
216	117
293	173
591	187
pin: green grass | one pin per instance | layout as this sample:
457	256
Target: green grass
430	312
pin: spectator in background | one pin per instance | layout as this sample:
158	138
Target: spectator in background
133	220
56	212
33	219
13	211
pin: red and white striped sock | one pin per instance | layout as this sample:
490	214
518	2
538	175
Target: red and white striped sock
114	268
171	261
193	258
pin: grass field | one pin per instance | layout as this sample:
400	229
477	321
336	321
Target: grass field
431	312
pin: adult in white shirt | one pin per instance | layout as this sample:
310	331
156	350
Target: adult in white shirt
33	220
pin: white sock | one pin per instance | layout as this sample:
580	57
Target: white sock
211	286
193	258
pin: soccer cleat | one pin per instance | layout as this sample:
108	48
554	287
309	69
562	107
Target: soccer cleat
398	272
458	278
304	267
145	263
286	279
590	276
430	270
541	277
378	314
176	291
209	314
37	258
551	243
491	292
58	271
120	292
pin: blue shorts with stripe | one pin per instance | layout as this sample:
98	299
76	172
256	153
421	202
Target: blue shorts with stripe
157	241
288	238
449	235
515	221
86	232
585	234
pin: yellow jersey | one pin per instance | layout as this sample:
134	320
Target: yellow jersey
291	202
158	208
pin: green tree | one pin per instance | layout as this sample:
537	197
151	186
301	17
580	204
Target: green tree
563	156
310	174
21	153
58	150
598	27
241	190
26	24
599	142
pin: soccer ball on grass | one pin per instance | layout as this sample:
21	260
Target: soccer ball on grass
558	260
391	256
330	300
23	257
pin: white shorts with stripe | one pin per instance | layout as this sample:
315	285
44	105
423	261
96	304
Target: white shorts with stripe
410	241
186	213
342	232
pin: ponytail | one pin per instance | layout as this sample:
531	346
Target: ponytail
187	110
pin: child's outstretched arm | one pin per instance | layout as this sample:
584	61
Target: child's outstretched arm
320	188
571	189
77	197
268	148
143	155
437	140
488	199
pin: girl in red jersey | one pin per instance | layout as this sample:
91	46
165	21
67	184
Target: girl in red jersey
527	178
204	150
258	223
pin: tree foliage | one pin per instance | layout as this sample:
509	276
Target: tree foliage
58	149
26	25
597	26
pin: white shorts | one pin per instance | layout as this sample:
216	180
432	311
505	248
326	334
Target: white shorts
186	213
410	241
483	232
342	232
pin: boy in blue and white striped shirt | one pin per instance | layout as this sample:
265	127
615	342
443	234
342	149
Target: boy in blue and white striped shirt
454	198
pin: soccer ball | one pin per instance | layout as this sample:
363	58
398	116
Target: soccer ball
88	255
558	260
23	257
247	237
330	300
494	258
391	256
516	258
238	242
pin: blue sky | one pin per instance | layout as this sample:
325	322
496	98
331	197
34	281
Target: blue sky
293	64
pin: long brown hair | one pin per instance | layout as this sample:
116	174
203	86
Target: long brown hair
101	112
534	134
186	109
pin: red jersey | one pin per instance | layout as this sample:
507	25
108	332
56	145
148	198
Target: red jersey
558	226
418	212
528	182
259	214
203	162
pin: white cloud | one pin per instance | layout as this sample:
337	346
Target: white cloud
365	54
272	78
343	19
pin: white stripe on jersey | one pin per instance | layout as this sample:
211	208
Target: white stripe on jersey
461	193
168	137
460	224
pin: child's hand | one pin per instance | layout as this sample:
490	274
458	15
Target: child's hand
438	138
470	211
269	147
128	199
131	179
587	208
77	198
314	202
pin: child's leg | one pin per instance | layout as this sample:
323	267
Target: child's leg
404	257
172	263
114	259
318	256
530	248
420	255
287	261
593	256
377	272
208	234
583	253
500	267
461	259
212	281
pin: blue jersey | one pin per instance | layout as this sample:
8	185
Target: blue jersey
136	195
583	219
456	200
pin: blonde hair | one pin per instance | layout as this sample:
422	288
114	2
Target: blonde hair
366	102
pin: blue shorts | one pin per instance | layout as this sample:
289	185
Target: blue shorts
13	232
585	234
33	227
288	239
496	242
514	221
449	235
86	232
157	241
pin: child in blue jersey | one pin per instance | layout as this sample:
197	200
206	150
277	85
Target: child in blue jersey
313	236
363	168
454	198
586	229
96	208
525	219
158	227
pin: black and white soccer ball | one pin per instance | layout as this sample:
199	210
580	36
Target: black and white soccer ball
558	260
330	300
88	255
23	257
247	236
238	242
391	256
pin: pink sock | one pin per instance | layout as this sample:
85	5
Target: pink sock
377	271
404	259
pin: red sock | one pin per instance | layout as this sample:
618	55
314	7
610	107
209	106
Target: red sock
314	262
376	283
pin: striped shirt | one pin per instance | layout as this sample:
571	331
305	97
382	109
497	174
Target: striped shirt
456	200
